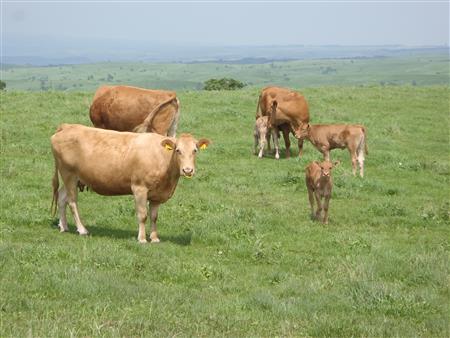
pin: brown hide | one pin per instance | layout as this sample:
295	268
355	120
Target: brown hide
326	137
125	108
287	110
283	106
146	165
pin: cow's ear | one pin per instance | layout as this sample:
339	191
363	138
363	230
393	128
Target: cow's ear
168	144
203	143
318	163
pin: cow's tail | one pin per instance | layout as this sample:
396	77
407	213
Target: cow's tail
273	112
258	108
55	185
143	127
172	132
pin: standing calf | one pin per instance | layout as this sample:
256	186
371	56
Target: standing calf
319	183
326	137
262	133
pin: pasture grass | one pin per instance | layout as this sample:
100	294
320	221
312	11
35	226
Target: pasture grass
239	254
420	70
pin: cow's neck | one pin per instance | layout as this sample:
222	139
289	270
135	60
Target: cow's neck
173	171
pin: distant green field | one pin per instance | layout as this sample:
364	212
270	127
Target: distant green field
239	255
420	70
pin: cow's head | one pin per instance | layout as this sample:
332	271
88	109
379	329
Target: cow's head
326	166
261	132
185	149
301	131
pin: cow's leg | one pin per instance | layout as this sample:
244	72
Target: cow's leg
326	154
319	204
256	144
311	201
300	147
71	185
62	204
325	208
268	141
140	198
154	217
287	141
275	142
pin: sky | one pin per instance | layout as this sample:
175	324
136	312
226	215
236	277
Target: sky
26	24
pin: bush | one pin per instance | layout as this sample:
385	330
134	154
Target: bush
223	84
2	85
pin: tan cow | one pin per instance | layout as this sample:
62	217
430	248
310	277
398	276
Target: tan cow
145	165
319	184
326	137
287	111
125	108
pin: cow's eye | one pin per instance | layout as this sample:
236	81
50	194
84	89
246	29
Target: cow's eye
178	151
195	150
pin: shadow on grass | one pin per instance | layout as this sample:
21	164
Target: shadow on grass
183	239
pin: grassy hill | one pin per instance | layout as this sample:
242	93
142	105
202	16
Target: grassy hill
239	254
411	70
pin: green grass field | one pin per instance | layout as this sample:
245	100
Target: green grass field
418	70
239	254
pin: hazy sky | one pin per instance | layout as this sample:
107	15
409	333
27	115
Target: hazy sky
236	23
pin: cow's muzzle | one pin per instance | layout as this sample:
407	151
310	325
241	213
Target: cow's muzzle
188	172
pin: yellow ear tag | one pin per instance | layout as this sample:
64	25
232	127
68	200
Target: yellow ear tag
203	146
168	147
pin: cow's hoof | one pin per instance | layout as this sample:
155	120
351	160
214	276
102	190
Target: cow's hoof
143	241
155	240
277	157
83	232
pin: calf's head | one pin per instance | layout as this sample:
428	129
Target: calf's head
325	167
185	149
301	131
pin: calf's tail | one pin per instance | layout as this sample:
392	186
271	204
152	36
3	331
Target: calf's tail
366	150
55	184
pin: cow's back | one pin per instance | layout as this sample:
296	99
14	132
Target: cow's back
123	108
290	104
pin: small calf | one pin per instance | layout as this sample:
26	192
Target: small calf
319	183
326	137
262	134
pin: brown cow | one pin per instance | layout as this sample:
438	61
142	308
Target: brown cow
145	165
125	108
287	110
326	137
319	184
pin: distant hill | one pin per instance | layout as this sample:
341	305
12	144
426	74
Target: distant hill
42	52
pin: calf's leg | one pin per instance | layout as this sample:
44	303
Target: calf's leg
325	209
319	204
311	201
154	217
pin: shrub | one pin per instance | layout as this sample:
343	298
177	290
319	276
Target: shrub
223	84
